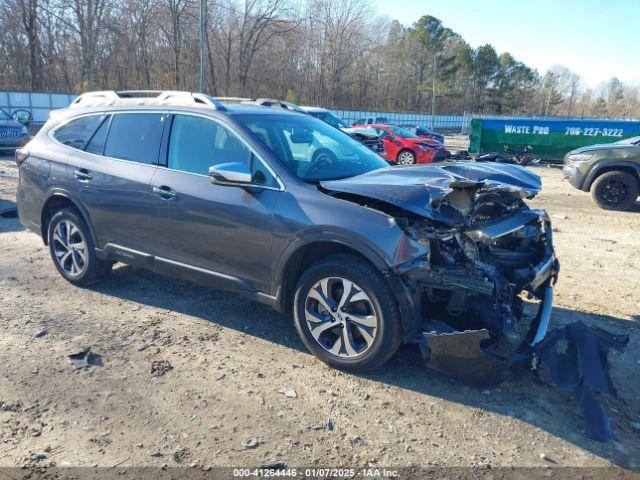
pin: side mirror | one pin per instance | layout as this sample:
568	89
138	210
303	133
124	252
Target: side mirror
235	173
22	116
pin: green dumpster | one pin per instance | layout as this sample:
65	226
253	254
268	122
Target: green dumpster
549	139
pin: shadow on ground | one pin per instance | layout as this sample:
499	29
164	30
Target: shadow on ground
9	221
524	397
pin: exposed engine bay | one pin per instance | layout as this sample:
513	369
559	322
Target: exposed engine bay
486	255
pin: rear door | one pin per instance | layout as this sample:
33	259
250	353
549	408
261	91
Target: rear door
206	231
112	175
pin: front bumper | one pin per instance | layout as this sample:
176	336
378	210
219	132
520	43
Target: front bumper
575	177
463	355
477	330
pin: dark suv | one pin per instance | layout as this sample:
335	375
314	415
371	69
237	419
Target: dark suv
611	172
233	197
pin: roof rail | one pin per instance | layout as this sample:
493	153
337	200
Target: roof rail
142	97
273	103
234	99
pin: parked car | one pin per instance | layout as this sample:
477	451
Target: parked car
369	120
611	172
405	148
363	136
193	188
13	129
424	132
326	116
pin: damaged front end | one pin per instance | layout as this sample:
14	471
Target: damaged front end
474	287
489	259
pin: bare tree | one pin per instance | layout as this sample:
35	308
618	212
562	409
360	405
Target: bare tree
334	53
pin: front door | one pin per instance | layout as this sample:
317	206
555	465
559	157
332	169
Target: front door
215	231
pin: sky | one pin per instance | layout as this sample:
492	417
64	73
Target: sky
597	39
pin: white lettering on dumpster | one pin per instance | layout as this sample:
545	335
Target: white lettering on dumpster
526	129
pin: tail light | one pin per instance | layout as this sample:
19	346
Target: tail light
21	155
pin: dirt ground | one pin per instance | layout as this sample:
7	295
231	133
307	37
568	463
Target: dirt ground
190	376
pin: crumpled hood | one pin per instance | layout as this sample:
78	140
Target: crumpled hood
446	192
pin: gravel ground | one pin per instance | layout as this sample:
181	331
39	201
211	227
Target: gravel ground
183	375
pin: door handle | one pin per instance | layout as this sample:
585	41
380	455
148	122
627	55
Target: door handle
82	174
164	191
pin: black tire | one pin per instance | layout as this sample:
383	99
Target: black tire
92	268
410	155
615	190
388	334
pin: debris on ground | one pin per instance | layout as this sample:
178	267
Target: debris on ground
160	367
40	333
85	358
329	424
274	465
181	455
288	392
575	358
251	443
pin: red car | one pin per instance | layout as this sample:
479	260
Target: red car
405	148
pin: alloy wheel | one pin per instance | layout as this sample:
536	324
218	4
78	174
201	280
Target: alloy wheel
406	158
614	192
70	248
341	317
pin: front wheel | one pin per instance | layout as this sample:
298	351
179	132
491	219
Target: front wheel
346	315
615	190
406	157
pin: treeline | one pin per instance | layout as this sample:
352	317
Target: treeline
334	53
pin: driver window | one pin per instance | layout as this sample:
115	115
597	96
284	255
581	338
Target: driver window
198	143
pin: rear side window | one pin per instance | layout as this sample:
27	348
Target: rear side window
77	132
135	137
96	144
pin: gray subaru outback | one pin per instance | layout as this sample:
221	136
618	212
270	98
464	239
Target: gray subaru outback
283	208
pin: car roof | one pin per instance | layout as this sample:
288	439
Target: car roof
230	109
156	100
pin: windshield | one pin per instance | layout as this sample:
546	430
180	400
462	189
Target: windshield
310	148
401	132
332	120
4	115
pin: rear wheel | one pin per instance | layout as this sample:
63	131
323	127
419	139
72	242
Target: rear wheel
615	190
406	157
346	315
72	249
